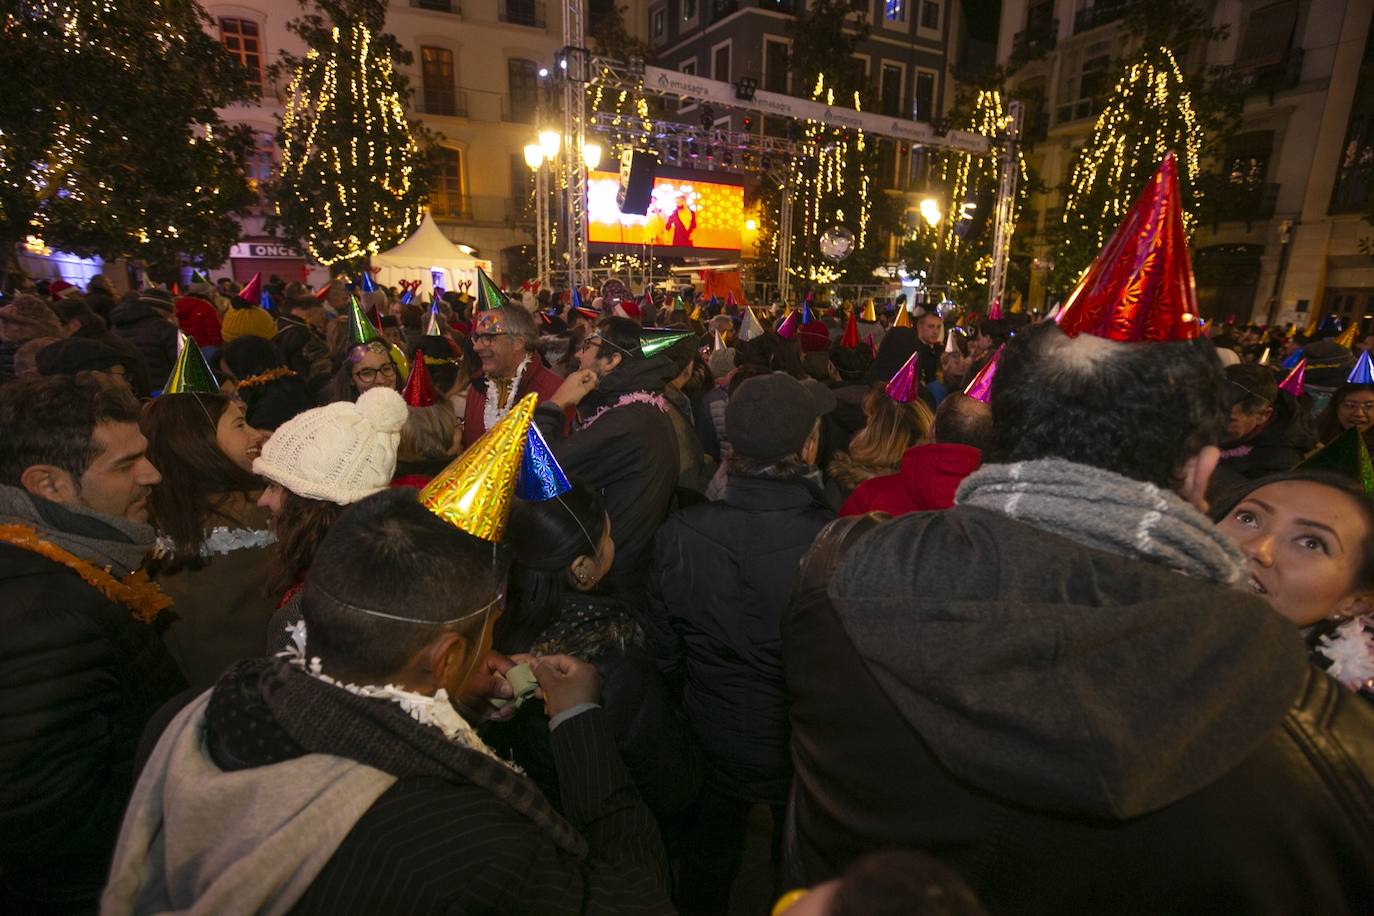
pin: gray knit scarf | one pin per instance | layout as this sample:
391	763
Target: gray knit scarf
116	544
1107	511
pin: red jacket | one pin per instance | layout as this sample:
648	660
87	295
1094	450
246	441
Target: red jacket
927	480
537	378
199	320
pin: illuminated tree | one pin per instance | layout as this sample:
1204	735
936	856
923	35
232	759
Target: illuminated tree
110	143
353	179
964	236
1149	114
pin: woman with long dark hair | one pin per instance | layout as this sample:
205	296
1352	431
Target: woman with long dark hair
213	541
561	550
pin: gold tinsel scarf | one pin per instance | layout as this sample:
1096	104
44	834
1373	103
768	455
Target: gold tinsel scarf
135	591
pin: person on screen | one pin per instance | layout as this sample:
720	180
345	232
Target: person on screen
679	225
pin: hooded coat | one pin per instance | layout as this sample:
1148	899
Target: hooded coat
928	478
147	327
628	452
1074	731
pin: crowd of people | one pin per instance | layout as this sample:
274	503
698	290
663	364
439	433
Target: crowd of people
490	603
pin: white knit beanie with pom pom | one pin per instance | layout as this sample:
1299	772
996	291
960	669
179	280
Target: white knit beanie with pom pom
340	453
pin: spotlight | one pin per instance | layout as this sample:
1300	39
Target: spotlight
745	88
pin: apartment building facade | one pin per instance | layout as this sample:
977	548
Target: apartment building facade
1296	175
475	81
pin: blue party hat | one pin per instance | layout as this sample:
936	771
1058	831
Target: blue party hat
265	300
540	476
806	311
1293	359
1363	373
368	285
408	295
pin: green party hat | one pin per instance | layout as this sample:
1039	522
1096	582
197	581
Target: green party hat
653	341
489	296
678	304
190	373
1346	454
198	277
360	330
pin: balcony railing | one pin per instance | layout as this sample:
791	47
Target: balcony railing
477	208
437	6
781	6
1076	111
522	12
1100	14
1228	201
1035	40
442	104
1274	78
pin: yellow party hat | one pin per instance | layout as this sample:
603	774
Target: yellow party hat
1347	337
474	493
869	313
903	319
696	313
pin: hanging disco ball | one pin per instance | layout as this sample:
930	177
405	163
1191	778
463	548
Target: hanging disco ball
837	243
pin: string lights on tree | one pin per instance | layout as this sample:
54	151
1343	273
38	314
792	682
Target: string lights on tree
353	179
110	143
1149	114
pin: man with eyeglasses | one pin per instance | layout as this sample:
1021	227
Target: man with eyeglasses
623	442
504	339
1267	431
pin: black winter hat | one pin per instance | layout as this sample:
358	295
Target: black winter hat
769	416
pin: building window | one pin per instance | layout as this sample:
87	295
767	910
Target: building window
260	165
1092	80
523	77
689	10
775	66
448	196
930	15
657	24
436	74
894	10
923	105
860	70
1354	183
890	90
720	63
1268	35
521	186
243	40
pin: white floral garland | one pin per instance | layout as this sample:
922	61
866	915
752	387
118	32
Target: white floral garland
634	397
495	411
220	542
434	711
1351	651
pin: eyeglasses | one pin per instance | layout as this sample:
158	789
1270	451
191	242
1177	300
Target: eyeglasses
370	375
1358	406
488	338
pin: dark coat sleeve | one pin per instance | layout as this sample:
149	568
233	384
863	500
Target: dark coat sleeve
664	642
595	453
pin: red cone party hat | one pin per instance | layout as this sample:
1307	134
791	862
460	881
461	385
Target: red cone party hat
850	340
1141	285
419	389
1293	382
252	290
906	383
980	389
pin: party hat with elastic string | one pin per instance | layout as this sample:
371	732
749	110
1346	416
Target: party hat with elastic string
540	475
749	326
489	296
360	330
653	341
1293	382
190	373
475	492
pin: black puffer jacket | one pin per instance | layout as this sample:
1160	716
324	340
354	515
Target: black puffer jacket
152	331
1074	731
721	578
79	677
629	453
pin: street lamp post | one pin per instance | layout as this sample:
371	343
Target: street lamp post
930	212
534	158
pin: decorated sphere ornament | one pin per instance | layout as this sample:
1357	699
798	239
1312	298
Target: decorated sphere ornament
836	243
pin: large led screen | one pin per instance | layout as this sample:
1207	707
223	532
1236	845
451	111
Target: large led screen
687	214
